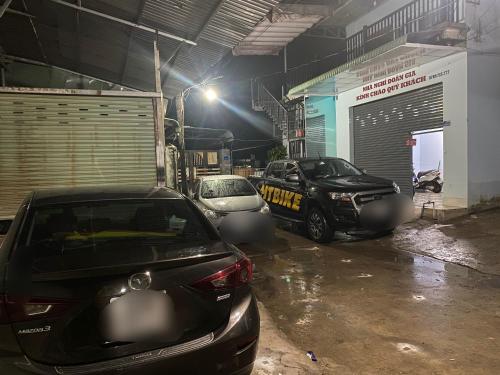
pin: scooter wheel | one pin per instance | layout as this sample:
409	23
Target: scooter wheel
438	187
435	187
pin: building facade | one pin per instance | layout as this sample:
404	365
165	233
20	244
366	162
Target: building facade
419	99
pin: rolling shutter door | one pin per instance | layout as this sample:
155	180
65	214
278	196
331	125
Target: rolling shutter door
381	129
64	141
315	136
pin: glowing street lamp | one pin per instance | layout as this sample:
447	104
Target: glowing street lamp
211	95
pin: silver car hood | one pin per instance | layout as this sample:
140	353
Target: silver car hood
229	204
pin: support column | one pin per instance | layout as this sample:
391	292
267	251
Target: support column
159	120
179	103
285	70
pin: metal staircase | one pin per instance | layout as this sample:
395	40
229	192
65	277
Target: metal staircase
264	101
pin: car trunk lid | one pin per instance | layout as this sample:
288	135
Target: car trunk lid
81	316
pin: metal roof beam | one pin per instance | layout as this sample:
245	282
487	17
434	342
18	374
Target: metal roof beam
35	32
125	63
4	7
308	10
16	12
124	22
35	62
171	60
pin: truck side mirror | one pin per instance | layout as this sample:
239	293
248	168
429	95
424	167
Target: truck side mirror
4	226
294	177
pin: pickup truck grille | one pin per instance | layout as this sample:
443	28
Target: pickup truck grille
365	197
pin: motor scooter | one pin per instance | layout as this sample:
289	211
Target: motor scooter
428	180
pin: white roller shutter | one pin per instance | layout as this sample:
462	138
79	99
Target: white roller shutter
382	127
315	136
69	140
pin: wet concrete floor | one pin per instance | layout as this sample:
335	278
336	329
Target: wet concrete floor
377	307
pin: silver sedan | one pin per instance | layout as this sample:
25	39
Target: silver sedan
221	195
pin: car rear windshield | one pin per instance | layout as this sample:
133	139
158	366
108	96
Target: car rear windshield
313	169
112	232
226	188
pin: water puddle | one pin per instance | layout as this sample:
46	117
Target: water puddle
408	348
364	275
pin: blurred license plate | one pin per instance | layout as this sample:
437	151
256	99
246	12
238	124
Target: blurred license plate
136	316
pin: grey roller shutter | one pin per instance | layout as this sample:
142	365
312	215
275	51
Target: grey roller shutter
315	136
65	140
381	129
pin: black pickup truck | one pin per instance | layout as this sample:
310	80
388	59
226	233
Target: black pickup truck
329	194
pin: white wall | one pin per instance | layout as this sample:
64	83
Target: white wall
428	152
455	111
483	72
377	13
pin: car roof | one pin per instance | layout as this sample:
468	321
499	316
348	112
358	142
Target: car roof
97	193
222	177
306	159
318	158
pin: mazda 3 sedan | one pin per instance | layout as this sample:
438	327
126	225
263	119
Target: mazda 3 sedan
122	280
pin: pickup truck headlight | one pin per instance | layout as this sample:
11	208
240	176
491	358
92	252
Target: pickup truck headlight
396	188
343	197
265	209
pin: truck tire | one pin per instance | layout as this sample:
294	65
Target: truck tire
317	226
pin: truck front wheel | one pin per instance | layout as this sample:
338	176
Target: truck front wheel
317	225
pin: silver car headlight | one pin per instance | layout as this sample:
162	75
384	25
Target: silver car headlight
212	215
343	197
396	188
265	209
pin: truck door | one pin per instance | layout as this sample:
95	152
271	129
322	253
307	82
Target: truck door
271	186
293	204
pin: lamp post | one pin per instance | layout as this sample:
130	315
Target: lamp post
211	95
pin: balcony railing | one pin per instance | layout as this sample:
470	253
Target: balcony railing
419	15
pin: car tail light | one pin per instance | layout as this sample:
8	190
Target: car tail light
18	309
233	276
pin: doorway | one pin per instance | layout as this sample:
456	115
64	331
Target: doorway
427	162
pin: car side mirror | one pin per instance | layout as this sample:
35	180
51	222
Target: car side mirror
4	226
364	171
294	177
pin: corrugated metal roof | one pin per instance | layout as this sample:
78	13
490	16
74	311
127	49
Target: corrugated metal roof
235	20
273	33
118	53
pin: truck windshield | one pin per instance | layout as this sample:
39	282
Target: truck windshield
226	188
313	169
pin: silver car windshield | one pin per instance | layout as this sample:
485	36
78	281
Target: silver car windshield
226	188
